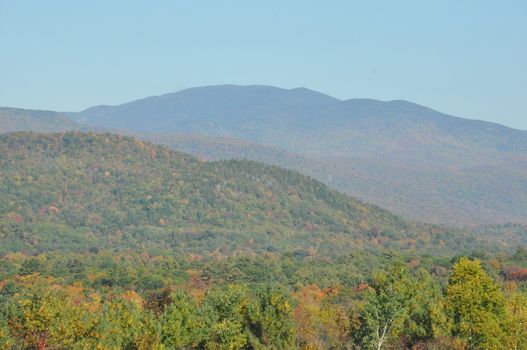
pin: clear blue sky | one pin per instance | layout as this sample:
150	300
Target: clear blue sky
467	58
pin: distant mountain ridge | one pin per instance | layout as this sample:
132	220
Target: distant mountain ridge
410	159
219	110
16	119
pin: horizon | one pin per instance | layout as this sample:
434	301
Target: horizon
276	87
430	54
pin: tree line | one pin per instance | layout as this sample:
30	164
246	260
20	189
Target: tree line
396	307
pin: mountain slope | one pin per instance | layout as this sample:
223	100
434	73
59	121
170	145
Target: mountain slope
75	190
16	119
410	159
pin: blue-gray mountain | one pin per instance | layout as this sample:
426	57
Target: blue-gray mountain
16	119
407	158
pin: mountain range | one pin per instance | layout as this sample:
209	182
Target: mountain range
410	159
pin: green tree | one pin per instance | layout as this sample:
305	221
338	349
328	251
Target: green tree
30	266
125	325
6	341
181	323
271	322
516	321
387	305
225	312
476	305
44	316
427	318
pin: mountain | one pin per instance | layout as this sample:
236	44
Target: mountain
260	114
73	191
221	109
417	162
16	119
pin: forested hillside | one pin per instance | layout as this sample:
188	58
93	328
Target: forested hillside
16	119
77	190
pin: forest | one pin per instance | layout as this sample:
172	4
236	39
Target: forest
131	300
109	242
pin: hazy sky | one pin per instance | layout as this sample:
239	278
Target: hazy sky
467	58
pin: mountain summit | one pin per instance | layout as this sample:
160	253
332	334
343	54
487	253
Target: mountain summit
211	106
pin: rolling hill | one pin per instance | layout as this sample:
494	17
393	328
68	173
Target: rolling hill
74	191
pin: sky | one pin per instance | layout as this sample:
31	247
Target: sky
466	58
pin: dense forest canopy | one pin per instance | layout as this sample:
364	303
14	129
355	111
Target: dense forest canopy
78	190
132	300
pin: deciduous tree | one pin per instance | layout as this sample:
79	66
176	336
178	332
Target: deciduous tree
476	305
